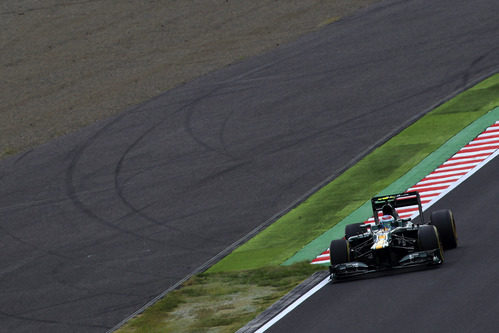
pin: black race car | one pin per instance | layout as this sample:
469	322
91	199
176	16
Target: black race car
392	242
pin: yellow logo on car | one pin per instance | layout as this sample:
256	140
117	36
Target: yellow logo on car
380	242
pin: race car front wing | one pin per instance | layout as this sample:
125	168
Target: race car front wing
357	268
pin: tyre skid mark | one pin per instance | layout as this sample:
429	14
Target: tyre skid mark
119	185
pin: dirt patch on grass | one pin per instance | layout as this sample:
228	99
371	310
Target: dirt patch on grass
66	64
220	302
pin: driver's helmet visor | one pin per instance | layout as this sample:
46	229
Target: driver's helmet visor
386	221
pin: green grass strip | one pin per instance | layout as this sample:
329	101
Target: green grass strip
344	195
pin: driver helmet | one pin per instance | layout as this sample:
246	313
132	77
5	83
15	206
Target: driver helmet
386	221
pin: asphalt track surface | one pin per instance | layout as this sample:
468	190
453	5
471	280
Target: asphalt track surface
459	296
97	223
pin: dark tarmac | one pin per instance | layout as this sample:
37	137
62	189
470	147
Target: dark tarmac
97	223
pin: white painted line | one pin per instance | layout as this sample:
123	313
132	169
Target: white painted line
426	193
322	256
435	182
461	161
478	158
484	135
324	282
428	198
492	129
485	151
293	305
435	185
450	179
484	145
317	262
484	140
453	168
438	174
464	165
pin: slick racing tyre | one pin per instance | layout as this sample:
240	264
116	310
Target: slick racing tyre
339	252
353	229
428	239
446	226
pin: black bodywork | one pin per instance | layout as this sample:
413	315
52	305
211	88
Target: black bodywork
375	248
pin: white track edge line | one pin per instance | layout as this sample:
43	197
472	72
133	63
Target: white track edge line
293	305
324	282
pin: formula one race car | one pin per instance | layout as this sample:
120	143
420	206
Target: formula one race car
392	242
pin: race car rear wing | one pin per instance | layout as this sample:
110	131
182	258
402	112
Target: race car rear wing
397	201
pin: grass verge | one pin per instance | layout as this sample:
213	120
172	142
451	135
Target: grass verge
251	278
220	302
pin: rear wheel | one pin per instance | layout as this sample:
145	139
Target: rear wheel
428	240
339	252
353	229
446	226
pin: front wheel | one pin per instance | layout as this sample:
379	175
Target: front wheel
339	252
428	240
446	226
